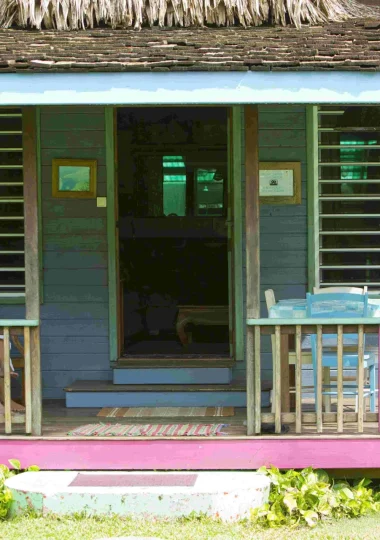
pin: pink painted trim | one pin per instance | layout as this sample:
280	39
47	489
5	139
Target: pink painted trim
378	378
194	454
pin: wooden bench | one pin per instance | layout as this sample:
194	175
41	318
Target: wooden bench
199	315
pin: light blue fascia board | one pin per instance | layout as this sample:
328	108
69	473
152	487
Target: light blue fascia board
189	88
18	322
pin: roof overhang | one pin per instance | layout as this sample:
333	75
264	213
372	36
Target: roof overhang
188	88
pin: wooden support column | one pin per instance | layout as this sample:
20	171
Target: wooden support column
252	224
32	268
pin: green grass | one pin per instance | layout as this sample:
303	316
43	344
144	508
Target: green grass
68	528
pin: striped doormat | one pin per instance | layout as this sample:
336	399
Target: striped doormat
148	430
170	412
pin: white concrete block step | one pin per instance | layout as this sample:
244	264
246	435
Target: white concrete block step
172	375
227	495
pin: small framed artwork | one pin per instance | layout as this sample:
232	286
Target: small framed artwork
74	178
280	182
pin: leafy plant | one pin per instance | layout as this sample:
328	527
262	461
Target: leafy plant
309	496
5	493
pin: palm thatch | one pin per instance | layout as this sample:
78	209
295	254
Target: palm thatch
79	14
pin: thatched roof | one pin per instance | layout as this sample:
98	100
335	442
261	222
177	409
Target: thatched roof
79	14
348	46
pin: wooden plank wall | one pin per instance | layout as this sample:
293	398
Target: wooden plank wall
283	241
74	314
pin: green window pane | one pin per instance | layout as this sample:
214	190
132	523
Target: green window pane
174	185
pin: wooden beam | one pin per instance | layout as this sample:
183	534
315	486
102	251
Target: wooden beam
252	210
252	242
32	268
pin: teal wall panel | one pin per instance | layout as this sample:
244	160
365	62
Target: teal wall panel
74	316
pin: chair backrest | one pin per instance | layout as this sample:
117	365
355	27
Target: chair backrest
344	305
350	290
269	298
335	305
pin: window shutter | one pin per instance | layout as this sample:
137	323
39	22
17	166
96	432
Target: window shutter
12	266
348	237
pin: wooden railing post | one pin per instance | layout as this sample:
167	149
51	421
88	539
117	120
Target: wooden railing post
252	220
7	384
32	268
360	379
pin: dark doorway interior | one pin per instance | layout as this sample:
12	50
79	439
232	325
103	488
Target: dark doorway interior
173	197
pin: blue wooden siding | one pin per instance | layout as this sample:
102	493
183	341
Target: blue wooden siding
283	229
74	327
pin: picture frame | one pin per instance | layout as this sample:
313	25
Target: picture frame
280	182
74	178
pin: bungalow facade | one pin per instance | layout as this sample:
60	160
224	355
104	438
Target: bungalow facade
154	185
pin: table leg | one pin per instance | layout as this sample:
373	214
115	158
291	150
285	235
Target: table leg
285	394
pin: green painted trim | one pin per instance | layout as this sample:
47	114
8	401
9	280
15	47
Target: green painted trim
312	196
7	301
237	228
375	321
18	322
111	232
39	193
229	237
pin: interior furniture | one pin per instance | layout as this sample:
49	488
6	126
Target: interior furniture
199	315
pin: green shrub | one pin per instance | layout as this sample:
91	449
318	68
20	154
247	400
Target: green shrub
5	493
309	496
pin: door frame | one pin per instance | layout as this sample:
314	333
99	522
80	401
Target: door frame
235	224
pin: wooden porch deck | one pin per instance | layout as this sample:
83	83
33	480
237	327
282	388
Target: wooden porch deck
58	421
55	450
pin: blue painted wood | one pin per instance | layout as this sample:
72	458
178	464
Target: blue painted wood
78	327
159	399
179	375
75	242
189	88
80	225
74	260
74	330
71	311
76	293
82	276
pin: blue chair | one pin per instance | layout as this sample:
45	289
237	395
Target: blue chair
341	305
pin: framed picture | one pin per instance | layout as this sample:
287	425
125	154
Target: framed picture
280	182
74	178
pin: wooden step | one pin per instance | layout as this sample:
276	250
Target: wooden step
190	361
172	375
108	386
106	394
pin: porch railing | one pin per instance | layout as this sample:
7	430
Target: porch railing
9	329
284	328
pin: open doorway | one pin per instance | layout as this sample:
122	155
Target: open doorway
173	205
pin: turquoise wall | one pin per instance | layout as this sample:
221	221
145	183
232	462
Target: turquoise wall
74	327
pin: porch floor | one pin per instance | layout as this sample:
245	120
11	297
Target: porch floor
59	420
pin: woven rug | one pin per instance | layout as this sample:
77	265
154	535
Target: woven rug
148	430
170	412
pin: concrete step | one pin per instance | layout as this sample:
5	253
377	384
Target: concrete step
106	394
148	495
172	375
